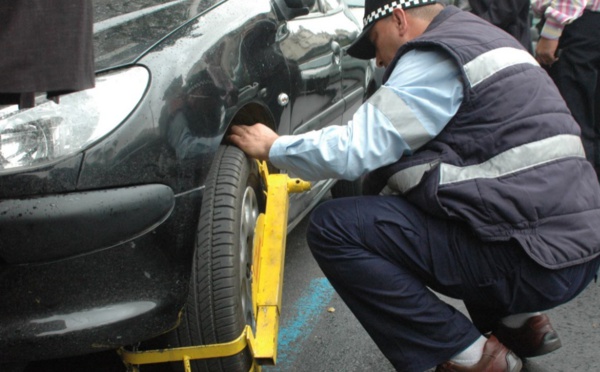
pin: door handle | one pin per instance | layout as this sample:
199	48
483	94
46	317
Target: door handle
337	52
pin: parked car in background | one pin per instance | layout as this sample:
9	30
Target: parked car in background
124	213
357	7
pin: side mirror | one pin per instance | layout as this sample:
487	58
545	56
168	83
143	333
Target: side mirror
289	9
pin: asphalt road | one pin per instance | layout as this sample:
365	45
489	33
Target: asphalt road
319	334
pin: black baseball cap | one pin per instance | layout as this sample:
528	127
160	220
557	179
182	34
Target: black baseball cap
375	10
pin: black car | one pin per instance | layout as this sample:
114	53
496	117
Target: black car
124	213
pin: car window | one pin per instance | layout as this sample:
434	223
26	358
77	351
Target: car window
329	5
325	6
107	9
124	29
356	3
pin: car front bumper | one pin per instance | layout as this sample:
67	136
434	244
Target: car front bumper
91	271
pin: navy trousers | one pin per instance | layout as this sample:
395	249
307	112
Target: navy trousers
383	255
577	76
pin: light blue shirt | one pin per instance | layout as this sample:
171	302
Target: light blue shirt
422	94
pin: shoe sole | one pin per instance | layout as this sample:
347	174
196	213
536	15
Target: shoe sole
550	344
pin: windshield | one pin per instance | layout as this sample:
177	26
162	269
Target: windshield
125	29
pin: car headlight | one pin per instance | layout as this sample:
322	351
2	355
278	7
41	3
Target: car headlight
50	131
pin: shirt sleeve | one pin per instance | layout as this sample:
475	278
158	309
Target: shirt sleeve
421	96
557	14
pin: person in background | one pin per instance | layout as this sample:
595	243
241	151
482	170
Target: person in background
510	15
45	47
478	189
569	47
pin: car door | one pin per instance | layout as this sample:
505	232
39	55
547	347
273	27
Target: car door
311	46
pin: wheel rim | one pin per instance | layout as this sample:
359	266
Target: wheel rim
249	216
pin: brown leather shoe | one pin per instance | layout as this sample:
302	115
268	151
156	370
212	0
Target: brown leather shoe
534	338
495	358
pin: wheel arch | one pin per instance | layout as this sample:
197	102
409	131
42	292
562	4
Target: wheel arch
252	113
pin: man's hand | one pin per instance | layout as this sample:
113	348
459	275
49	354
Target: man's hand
545	51
255	140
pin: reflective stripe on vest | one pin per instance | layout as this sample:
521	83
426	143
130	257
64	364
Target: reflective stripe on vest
517	159
489	63
401	116
412	131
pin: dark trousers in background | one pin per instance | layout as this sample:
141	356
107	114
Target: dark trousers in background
577	76
381	254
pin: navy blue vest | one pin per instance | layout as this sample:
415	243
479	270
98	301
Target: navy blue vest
510	163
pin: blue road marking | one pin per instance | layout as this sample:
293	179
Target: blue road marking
297	329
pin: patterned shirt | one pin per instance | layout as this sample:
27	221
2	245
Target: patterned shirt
559	13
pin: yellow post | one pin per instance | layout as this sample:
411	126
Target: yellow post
271	233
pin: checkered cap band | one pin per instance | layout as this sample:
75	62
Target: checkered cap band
388	8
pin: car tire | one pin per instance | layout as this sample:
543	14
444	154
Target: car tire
219	304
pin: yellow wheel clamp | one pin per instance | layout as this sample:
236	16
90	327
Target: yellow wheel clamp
267	287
